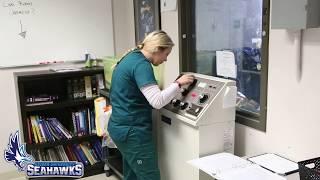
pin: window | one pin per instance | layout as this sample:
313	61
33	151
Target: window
239	26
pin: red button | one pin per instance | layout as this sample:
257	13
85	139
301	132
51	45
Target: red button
193	94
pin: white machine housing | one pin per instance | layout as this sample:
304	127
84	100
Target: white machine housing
198	122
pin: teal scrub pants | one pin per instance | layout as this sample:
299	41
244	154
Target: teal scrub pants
140	160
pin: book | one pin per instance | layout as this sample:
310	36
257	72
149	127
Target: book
74	123
100	82
71	154
34	121
93	122
94	86
87	154
35	135
40	103
81	154
98	149
75	152
87	85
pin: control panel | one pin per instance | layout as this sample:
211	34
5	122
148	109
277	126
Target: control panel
193	98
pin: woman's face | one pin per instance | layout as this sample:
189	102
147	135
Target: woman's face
160	56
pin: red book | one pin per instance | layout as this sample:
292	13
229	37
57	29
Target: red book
29	131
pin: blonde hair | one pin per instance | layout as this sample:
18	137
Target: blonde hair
154	42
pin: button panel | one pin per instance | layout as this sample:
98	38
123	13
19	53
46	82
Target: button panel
193	99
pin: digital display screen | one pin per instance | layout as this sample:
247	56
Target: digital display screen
202	84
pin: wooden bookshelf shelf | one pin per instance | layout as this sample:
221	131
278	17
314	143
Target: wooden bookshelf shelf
74	140
59	105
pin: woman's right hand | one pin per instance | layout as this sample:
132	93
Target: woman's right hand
185	79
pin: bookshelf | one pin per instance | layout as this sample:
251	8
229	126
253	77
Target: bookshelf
56	111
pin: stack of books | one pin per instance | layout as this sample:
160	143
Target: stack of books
86	87
83	122
41	129
87	153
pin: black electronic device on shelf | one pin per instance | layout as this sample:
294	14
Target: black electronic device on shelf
57	115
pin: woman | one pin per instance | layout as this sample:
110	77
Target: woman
134	91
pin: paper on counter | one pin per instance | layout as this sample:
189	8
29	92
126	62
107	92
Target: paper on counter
218	163
226	166
253	172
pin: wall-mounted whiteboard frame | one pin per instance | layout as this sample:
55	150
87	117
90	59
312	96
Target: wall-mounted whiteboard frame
35	31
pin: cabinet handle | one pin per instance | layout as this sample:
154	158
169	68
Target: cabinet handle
166	119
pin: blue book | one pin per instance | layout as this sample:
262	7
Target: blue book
86	124
83	157
74	123
76	154
98	149
54	135
77	116
55	127
45	129
92	152
93	122
82	122
88	121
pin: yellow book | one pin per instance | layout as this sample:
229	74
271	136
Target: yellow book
34	130
37	128
87	153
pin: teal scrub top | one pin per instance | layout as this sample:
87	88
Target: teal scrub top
129	106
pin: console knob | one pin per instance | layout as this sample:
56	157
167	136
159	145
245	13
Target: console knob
184	91
183	105
175	102
203	98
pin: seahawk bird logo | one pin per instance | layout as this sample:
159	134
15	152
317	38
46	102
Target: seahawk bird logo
16	153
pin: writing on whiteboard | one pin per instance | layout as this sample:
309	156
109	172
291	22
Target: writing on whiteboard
19	7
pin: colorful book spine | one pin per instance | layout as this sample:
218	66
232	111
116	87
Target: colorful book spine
93	123
29	130
58	130
87	154
88	121
77	148
35	136
77	115
61	128
70	154
74	123
40	139
98	149
88	88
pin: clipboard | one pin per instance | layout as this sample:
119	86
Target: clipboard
275	163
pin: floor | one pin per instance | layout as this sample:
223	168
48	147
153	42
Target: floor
101	177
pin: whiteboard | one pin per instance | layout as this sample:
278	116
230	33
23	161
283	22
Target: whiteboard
35	31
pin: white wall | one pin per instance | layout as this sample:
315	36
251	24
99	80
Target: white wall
123	19
292	117
124	39
169	23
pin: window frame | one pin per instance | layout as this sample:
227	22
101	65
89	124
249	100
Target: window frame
187	41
